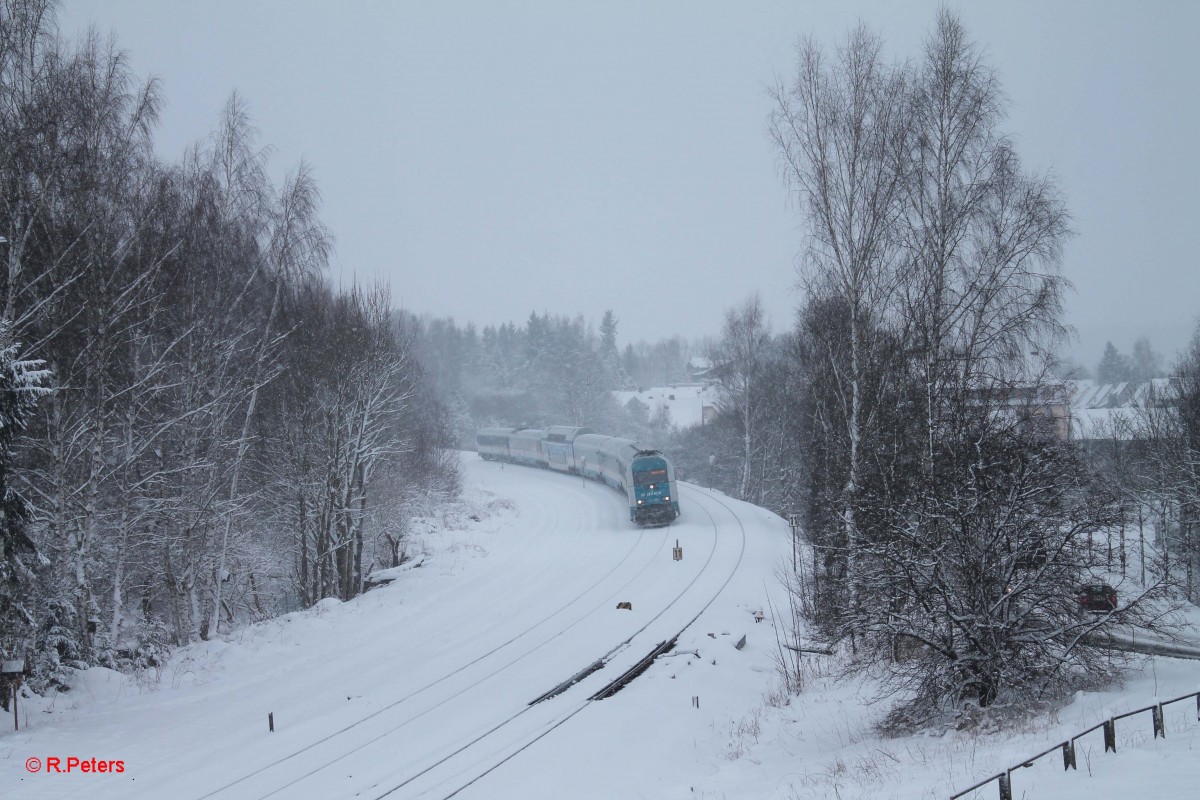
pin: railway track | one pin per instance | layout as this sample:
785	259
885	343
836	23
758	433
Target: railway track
351	737
508	734
454	785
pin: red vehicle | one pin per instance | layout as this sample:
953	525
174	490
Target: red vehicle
1097	597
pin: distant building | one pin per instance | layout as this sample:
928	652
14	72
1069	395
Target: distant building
686	404
1085	410
1041	401
1114	410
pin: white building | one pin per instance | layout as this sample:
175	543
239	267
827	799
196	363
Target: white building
686	404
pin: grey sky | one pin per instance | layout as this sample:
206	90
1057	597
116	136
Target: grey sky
490	159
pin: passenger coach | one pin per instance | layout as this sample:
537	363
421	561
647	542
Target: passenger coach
645	477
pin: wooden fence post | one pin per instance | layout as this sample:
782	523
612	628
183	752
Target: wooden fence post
1006	786
1069	755
1110	735
1159	728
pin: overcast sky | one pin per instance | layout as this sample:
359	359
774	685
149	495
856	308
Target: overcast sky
490	159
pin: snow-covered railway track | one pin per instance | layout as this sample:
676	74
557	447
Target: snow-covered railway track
350	739
482	745
517	738
370	692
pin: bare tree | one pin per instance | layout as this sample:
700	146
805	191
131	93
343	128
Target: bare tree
981	286
162	297
298	248
738	366
936	440
839	127
1167	479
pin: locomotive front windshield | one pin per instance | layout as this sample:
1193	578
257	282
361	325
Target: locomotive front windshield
648	477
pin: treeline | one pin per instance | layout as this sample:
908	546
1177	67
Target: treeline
1141	365
553	370
220	435
910	417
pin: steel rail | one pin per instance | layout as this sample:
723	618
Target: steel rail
417	692
605	692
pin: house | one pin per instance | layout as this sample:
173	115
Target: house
685	404
1115	410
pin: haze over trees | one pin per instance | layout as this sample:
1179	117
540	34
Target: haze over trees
1141	365
197	430
553	370
219	435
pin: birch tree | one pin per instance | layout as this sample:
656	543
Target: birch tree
931	425
839	128
983	240
298	248
739	361
162	298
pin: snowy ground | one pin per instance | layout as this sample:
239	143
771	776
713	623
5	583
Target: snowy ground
421	688
683	402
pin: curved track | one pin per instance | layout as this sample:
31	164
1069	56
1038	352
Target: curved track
567	715
331	750
677	594
424	688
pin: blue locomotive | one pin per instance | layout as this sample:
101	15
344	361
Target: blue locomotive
645	476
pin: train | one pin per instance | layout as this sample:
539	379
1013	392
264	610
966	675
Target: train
645	477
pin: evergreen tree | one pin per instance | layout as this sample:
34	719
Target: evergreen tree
1113	367
614	373
1144	364
629	362
20	386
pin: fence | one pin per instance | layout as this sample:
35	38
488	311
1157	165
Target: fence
1004	779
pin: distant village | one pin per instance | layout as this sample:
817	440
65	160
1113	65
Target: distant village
683	405
1082	409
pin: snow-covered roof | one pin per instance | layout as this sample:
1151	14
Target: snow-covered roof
1112	410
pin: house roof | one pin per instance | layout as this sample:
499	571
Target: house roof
1112	410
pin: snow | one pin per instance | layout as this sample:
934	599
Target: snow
424	683
684	402
381	576
1113	411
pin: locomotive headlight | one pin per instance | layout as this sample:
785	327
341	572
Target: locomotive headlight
667	497
652	487
640	502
